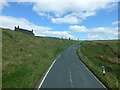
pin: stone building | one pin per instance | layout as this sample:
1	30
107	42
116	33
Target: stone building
24	30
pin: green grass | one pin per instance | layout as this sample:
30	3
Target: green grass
25	58
0	59
95	56
113	43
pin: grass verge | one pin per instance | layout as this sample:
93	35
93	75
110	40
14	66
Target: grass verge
95	56
25	58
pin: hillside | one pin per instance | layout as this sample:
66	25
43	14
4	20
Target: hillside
96	54
25	58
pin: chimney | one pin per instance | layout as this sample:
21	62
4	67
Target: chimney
15	27
18	27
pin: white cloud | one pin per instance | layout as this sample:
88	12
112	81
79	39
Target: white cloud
42	14
11	22
67	19
73	18
68	11
60	34
105	32
96	33
76	28
71	12
23	1
3	3
116	23
87	14
59	8
93	37
62	0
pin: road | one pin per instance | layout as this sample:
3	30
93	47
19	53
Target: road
68	71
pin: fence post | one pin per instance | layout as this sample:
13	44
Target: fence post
103	70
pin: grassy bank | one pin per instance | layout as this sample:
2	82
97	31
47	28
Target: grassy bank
25	58
96	54
0	59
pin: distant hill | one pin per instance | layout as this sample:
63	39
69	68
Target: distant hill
25	58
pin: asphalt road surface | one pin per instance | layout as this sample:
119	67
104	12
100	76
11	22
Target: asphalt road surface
69	72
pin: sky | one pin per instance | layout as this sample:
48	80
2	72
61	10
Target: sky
75	19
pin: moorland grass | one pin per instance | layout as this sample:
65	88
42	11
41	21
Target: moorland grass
95	56
25	58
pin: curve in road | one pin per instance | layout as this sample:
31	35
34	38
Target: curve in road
68	71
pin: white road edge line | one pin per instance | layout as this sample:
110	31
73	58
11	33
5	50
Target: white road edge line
47	72
70	78
94	75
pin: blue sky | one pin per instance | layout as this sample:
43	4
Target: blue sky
77	20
